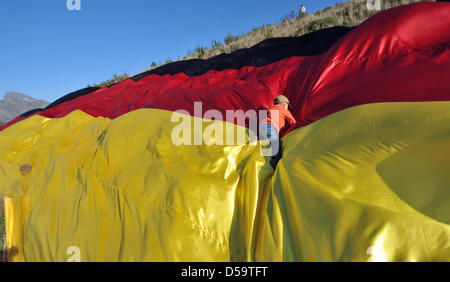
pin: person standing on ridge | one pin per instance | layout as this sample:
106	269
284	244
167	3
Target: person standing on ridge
279	118
302	11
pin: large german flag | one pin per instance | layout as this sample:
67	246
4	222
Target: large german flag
364	175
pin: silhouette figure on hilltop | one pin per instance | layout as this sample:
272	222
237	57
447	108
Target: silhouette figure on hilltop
302	11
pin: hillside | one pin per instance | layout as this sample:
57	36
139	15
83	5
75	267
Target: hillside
14	104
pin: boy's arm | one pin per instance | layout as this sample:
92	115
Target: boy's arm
289	118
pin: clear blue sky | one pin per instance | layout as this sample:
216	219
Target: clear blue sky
47	51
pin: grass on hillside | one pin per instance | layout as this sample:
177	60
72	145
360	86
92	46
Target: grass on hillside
115	79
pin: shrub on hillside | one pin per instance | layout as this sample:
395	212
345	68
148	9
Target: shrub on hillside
269	33
230	38
200	51
321	23
115	79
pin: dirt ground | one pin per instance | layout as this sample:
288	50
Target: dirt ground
1	203
2	231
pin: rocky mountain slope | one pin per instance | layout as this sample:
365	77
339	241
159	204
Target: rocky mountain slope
14	104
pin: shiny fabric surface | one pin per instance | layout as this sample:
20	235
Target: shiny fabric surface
364	175
370	183
154	202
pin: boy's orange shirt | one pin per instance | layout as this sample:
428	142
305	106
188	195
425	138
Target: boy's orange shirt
284	116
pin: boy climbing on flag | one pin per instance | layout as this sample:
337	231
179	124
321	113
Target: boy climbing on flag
279	118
